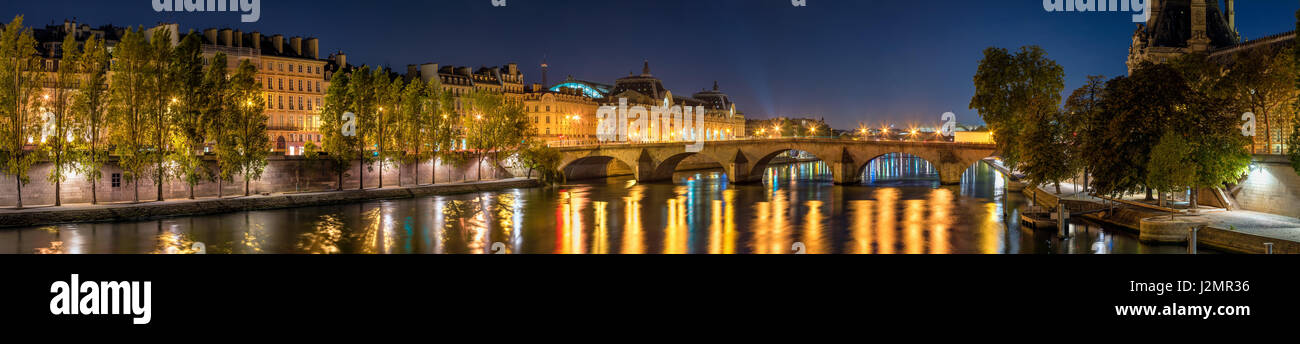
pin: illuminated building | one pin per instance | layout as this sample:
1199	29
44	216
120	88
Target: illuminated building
291	74
721	120
562	115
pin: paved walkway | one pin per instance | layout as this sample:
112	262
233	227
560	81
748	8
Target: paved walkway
80	213
1241	221
152	202
1256	223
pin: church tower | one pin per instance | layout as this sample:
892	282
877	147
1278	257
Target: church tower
1180	27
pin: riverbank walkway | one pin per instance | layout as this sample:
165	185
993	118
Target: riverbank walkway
1241	231
144	210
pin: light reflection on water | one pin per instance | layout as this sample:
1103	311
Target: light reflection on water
900	208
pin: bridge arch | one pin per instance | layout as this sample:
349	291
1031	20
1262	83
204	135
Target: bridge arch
666	166
862	169
596	166
758	161
950	164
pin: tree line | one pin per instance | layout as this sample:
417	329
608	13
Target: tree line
158	109
380	119
1168	127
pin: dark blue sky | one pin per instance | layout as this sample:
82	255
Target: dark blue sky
850	61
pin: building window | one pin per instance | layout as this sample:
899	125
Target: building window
548	119
300	85
117	180
280	82
280	101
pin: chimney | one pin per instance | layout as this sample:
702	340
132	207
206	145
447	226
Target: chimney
211	36
464	71
340	58
313	48
239	39
257	41
429	71
277	42
226	40
296	44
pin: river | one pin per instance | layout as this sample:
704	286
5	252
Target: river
900	208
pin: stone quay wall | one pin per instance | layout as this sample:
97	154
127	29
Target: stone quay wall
1271	187
283	174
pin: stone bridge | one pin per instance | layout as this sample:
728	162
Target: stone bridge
746	160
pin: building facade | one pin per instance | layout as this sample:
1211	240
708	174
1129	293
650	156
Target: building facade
721	120
291	74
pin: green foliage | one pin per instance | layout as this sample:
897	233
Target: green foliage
128	101
1156	102
59	102
1081	111
160	98
1009	89
1134	113
1170	167
218	107
248	124
89	112
495	125
337	148
188	132
1045	158
20	73
544	160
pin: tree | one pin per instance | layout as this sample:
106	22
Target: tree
89	110
128	102
442	129
217	106
1218	150
415	113
361	95
61	122
545	160
188	132
1012	88
1081	108
20	68
495	125
161	76
1295	115
1045	152
1170	166
381	125
336	146
1261	82
1134	112
249	124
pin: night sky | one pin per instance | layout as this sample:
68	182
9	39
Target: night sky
850	61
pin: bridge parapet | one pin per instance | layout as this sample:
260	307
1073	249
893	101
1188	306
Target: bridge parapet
745	160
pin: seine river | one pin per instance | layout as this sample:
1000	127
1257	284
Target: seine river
900	209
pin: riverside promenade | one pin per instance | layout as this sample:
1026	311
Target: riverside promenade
1236	231
145	210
